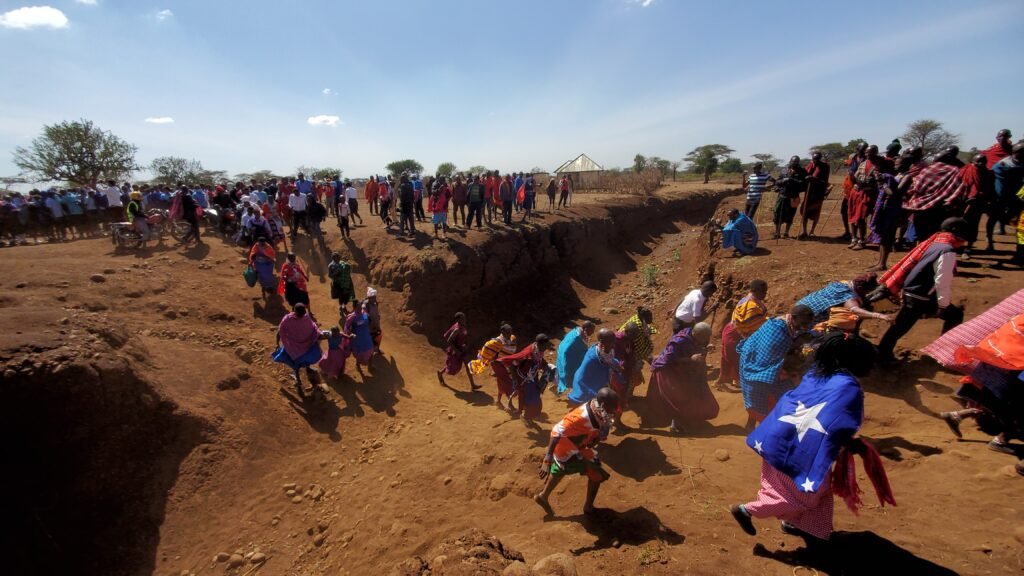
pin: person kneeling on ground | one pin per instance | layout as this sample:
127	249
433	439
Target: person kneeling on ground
570	449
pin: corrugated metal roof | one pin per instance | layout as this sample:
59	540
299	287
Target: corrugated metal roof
581	163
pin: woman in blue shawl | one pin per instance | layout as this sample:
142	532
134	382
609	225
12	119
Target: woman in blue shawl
571	351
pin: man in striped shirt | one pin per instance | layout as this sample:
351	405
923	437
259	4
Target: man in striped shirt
755	185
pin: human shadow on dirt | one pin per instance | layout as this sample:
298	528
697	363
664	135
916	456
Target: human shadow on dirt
612	528
899	383
887	447
471	397
856	554
637	459
270	310
381	384
321	415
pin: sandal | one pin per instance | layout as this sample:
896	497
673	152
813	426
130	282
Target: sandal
858	246
1001	447
952	419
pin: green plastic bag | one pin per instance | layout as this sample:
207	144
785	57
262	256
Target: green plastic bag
250	276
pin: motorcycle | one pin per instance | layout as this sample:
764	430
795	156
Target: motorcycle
126	235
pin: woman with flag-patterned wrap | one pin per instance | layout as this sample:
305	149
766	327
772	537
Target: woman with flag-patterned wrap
812	427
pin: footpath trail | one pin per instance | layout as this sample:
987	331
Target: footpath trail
154	426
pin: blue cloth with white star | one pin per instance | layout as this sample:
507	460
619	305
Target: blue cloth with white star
802	435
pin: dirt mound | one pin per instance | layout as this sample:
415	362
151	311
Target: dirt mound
471	554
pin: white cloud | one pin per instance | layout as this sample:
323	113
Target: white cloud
164	14
86	2
324	120
159	120
31	17
642	3
326	91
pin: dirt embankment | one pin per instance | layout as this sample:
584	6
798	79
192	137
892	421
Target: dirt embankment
534	274
92	447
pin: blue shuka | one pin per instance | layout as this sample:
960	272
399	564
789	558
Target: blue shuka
761	358
591	377
833	294
735	231
571	351
802	435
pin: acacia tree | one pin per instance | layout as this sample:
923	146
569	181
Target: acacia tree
930	136
836	153
639	163
478	169
323	173
660	164
675	168
171	169
731	166
77	152
446	169
408	165
259	176
769	161
706	158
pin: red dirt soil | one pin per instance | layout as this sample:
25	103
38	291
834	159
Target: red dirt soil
148	432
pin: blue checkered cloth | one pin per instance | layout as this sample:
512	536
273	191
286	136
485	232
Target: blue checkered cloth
834	294
761	357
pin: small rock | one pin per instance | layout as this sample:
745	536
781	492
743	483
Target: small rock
275	521
451	416
170	314
289	486
290	493
21	285
721	455
479	552
221	557
323	525
258	558
516	568
109	271
98	278
555	565
297	499
229	383
447	480
235	561
319	539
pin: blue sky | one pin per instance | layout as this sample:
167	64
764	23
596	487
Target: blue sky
509	85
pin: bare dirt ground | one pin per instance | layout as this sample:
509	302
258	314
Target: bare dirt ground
148	432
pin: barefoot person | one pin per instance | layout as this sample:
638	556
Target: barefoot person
812	427
456	339
571	451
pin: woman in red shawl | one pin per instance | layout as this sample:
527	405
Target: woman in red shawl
456	340
529	372
864	193
980	189
371	194
293	282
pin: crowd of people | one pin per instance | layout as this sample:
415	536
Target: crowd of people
892	200
246	210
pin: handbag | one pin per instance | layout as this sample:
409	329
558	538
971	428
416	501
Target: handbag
250	275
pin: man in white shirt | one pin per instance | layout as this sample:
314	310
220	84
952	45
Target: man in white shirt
691	309
115	209
352	197
297	202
